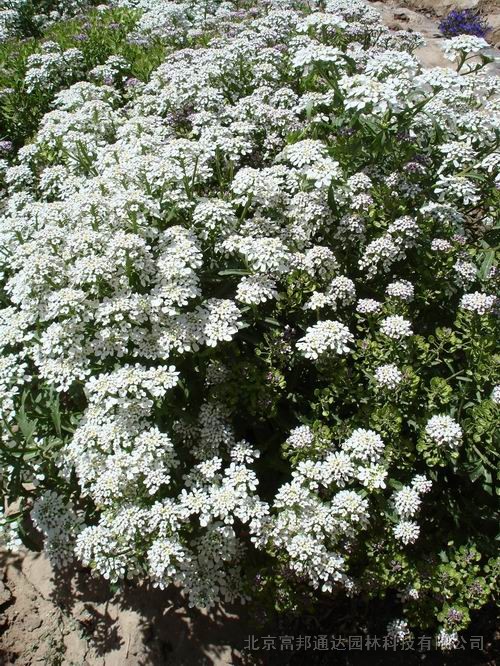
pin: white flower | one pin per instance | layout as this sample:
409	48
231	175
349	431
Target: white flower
401	289
337	468
59	523
421	484
444	431
304	153
368	306
457	188
316	52
300	437
165	560
323	172
370	95
441	245
342	289
9	534
325	336
407	502
478	302
220	320
396	327
364	445
463	45
466	271
125	220
379	255
372	477
388	376
256	289
407	531
398	629
446	640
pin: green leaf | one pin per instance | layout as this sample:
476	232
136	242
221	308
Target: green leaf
489	258
235	271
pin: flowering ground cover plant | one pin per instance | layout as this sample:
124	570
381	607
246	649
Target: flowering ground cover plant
249	315
25	18
98	47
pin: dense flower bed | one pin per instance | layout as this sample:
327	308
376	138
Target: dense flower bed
24	18
249	312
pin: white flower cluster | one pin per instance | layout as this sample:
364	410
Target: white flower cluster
341	291
256	289
401	289
112	71
407	503
463	46
325	336
368	306
388	376
446	640
115	453
478	302
444	431
9	534
398	629
59	523
396	327
314	513
300	437
13	374
145	242
52	67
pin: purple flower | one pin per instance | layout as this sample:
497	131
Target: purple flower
454	615
6	146
464	22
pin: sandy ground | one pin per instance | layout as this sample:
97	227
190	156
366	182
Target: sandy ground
74	620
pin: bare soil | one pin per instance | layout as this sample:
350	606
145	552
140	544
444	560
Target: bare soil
70	618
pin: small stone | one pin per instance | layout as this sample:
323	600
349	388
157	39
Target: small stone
5	594
32	622
87	621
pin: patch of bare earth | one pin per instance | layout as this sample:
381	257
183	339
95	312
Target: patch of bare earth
73	619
